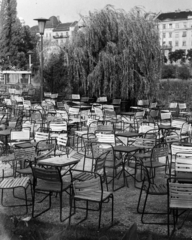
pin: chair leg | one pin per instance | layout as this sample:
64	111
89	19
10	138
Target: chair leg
100	211
139	200
33	205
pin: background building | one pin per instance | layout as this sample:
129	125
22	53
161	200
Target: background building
57	32
175	30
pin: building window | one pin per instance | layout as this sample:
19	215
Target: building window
184	24
67	34
164	43
170	25
164	26
176	44
184	34
170	34
164	35
184	43
170	43
177	25
176	35
61	35
49	35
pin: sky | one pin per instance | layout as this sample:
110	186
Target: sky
70	10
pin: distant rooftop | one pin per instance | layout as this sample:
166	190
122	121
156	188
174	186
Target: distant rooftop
177	15
64	26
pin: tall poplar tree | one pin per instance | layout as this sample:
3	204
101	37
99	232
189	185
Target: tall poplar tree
15	39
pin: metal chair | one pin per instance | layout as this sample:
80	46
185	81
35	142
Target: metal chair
48	181
91	191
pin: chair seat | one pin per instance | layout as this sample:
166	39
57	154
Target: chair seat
153	164
143	155
160	189
110	164
83	176
25	171
92	195
51	186
10	183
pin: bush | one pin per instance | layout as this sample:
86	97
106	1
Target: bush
183	72
168	71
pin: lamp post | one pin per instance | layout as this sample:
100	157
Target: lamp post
29	53
41	23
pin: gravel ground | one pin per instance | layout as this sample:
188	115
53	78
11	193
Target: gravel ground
125	214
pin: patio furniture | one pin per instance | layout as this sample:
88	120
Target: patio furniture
92	191
52	180
11	184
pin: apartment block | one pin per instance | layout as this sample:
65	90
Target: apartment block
175	30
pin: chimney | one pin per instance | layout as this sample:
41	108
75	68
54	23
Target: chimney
58	18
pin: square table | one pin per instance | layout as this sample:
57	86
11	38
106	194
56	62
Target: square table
127	135
58	162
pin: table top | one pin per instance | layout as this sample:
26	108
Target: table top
58	161
128	113
5	132
162	126
24	145
127	134
126	149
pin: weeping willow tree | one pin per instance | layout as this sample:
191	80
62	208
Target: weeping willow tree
116	54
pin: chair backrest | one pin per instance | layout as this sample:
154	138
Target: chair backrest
105	138
159	151
49	175
145	128
41	136
58	127
143	102
98	112
182	106
62	140
75	97
102	99
73	111
110	114
166	117
173	105
176	148
27	103
178	123
153	105
183	165
54	95
63	114
139	114
60	105
20	135
105	128
180	194
92	125
31	92
47	94
108	107
80	186
84	99
116	101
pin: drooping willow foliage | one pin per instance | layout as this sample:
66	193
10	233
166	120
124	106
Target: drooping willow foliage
116	54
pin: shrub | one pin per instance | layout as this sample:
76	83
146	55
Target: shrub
183	72
168	71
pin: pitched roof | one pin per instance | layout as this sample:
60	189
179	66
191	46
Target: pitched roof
64	26
52	23
174	15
